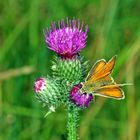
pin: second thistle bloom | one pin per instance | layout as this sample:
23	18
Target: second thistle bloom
68	39
78	98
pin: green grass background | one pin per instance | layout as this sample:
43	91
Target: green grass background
114	28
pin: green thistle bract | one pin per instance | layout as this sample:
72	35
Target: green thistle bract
67	69
48	92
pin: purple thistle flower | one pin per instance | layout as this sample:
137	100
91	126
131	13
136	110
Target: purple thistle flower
80	99
40	85
68	39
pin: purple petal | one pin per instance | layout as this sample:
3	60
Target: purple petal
80	99
68	39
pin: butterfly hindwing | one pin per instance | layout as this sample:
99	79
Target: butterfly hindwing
111	91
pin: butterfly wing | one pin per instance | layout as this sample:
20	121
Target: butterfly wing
97	67
99	75
110	91
101	70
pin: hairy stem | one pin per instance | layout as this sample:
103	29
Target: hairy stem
72	123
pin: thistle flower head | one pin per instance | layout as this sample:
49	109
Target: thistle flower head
68	39
80	99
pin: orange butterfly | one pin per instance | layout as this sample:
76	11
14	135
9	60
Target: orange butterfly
100	82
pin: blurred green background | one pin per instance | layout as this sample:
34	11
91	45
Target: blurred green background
114	28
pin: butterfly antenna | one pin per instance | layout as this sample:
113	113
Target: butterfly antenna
126	84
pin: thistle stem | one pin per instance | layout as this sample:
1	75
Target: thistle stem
72	123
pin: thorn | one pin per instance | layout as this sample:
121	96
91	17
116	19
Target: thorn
49	112
51	109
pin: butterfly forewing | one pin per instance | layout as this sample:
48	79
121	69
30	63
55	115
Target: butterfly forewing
106	70
97	67
99	75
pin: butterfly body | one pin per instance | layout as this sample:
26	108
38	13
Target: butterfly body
99	80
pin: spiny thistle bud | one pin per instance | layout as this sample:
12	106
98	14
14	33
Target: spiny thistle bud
78	98
67	69
47	91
